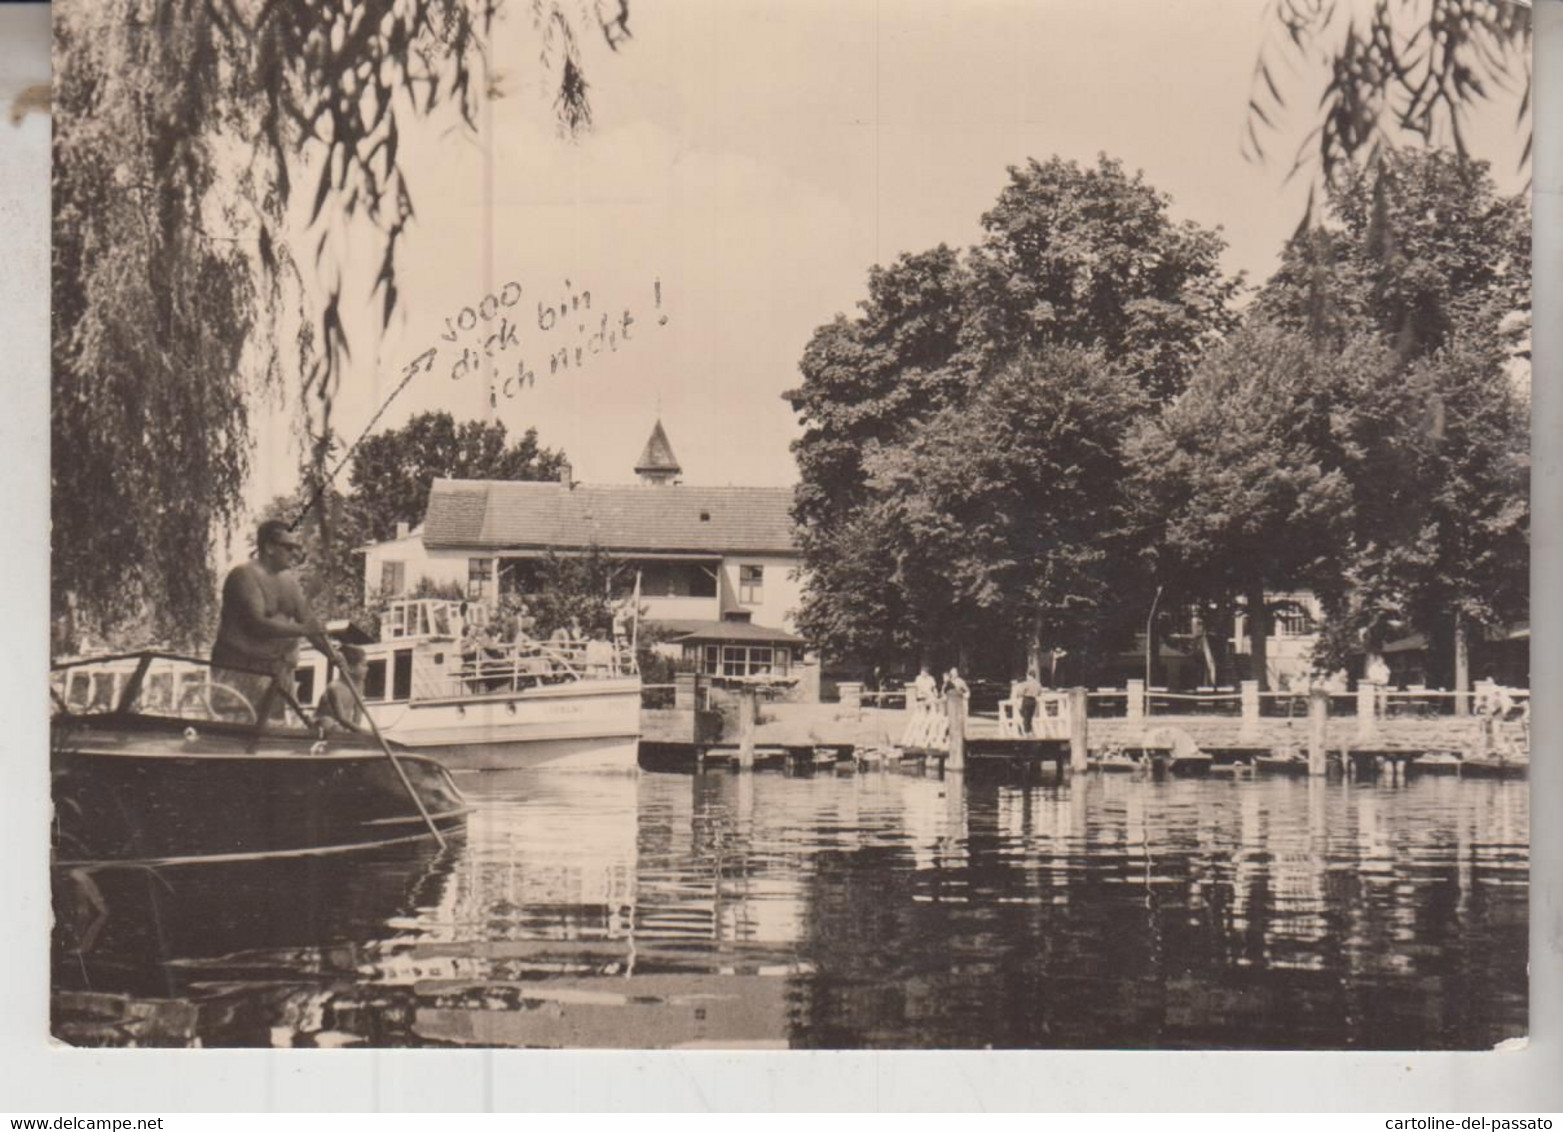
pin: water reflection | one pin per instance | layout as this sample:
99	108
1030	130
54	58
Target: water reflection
854	910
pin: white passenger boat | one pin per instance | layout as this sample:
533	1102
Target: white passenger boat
570	705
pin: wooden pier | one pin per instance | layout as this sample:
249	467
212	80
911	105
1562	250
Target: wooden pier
1232	734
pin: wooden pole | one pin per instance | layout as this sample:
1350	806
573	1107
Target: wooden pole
1462	666
955	713
1248	700
748	715
1367	709
385	747
1134	702
1318	720
1078	737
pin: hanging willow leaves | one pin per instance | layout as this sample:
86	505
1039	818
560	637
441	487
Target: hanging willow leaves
1395	66
181	129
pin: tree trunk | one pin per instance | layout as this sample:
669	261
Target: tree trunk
1257	636
1212	666
1034	644
1462	665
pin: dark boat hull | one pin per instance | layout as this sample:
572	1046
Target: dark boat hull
140	794
1494	768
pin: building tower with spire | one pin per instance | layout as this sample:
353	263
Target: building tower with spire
657	464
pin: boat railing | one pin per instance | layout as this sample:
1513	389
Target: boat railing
163	684
491	669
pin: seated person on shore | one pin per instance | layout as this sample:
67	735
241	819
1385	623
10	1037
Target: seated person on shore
338	712
264	615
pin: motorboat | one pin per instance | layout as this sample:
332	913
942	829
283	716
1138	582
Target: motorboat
156	760
484	705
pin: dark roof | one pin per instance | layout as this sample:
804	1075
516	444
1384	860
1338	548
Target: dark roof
1417	642
694	632
498	515
658	456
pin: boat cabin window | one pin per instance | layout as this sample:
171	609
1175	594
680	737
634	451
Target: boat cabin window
157	695
304	684
389	678
401	675
374	680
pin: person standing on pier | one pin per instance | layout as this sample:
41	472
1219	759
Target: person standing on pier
264	616
953	682
925	688
1028	692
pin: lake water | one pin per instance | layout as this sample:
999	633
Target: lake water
883	909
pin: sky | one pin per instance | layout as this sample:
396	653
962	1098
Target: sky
750	161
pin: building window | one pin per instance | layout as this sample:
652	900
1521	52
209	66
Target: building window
677	579
393	578
751	584
739	661
1294	621
480	572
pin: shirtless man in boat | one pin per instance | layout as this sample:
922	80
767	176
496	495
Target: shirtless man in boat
264	615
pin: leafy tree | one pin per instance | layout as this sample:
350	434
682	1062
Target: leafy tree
1246	481
180	130
1414	246
853	598
872	378
1090	257
1419	249
1073	259
573	590
1442	538
1001	520
392	471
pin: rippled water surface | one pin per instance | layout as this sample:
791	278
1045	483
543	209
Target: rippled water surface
879	909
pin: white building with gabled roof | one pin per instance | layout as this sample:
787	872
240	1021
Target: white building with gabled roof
716	567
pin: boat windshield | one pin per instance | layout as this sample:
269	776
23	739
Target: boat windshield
167	685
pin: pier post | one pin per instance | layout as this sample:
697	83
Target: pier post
1367	709
748	718
955	713
1318	721
1135	705
1248	692
1078	736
